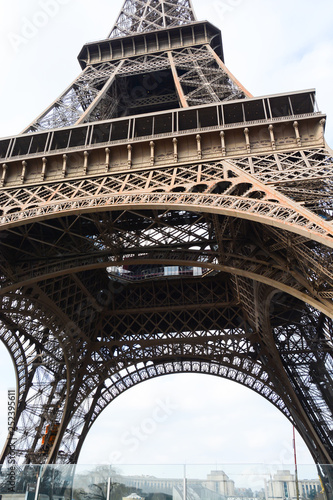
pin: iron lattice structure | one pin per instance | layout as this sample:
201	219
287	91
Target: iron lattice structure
139	16
158	219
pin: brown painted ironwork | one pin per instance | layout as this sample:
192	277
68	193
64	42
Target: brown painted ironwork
157	219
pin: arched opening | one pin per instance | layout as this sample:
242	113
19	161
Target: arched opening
199	188
240	189
191	418
257	195
13	210
221	187
163	230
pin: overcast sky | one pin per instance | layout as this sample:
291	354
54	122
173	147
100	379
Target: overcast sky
271	46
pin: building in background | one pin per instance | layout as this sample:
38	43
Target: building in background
219	482
217	486
282	486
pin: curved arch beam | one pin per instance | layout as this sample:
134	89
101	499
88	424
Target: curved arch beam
323	306
18	357
201	367
33	392
269	213
130	379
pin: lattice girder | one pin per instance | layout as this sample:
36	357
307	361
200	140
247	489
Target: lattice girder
104	250
103	91
234	346
195	341
43	363
152	231
143	16
268	213
195	73
264	312
76	99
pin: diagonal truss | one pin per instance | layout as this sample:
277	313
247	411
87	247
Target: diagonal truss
104	91
177	74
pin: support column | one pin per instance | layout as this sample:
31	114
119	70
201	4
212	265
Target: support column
44	162
24	170
272	136
178	85
199	148
322	124
64	165
85	162
175	149
129	155
298	137
222	135
4	174
247	140
152	153
107	159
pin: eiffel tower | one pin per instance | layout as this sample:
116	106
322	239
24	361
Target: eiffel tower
159	219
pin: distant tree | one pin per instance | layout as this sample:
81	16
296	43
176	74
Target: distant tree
157	496
244	492
312	495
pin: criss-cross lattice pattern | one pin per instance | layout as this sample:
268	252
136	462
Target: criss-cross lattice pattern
139	16
104	91
73	102
165	240
165	328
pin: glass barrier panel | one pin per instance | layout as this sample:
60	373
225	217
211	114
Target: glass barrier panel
167	482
